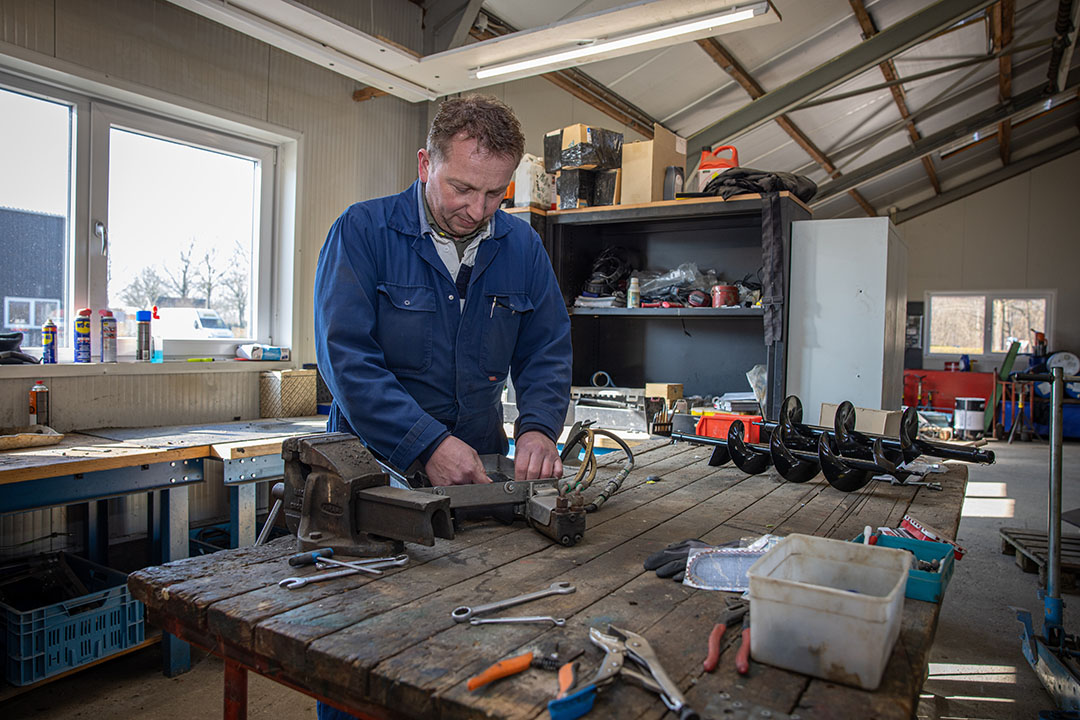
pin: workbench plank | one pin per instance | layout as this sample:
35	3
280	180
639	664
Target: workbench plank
81	453
214	433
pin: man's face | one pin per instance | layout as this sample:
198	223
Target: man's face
464	188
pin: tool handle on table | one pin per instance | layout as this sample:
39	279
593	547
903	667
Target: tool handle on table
573	706
501	669
567	679
713	658
742	657
309	558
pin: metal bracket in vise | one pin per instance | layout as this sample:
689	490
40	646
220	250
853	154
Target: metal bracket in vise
337	495
537	502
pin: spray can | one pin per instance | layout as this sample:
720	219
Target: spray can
82	336
143	344
108	336
39	404
48	343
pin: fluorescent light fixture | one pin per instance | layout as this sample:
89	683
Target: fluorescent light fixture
732	15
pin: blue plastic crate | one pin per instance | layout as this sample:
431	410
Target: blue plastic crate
923	584
46	641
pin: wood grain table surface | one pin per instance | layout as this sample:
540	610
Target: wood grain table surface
387	647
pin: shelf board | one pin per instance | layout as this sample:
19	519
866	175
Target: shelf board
684	208
686	312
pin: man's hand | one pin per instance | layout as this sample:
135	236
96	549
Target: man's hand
455	463
536	457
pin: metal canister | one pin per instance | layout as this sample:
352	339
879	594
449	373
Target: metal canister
724	295
48	343
82	336
108	337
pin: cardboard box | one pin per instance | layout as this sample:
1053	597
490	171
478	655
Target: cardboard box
607	187
668	391
644	164
582	147
879	422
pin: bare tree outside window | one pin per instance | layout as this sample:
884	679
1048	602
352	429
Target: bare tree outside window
1016	318
957	324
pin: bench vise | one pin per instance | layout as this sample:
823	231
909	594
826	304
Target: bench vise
338	495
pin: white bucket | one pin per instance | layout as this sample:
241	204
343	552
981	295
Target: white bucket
827	608
969	417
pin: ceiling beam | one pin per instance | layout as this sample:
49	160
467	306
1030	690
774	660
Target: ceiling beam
888	70
981	183
581	85
936	141
723	57
1001	27
447	23
939	106
886	44
1014	124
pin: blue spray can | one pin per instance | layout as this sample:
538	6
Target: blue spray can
48	343
82	336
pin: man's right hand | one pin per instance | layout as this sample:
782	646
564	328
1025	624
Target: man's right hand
455	463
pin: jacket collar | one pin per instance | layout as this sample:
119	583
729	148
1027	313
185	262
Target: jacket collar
405	215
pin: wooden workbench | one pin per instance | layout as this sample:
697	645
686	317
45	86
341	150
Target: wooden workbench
388	648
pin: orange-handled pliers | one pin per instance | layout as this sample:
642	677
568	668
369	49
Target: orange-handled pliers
511	666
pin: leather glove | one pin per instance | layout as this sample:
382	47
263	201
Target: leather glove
671	561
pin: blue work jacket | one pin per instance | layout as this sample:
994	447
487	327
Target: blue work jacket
406	363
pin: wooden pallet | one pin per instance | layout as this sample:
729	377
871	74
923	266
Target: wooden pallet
1031	550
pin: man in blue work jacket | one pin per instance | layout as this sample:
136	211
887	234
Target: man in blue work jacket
426	299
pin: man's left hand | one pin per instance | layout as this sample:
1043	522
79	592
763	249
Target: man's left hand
536	457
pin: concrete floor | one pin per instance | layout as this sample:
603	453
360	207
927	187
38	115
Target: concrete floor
976	671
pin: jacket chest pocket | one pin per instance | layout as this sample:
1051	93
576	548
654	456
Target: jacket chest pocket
503	313
405	323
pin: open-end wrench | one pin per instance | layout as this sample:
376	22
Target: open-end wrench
294	583
557	622
465	613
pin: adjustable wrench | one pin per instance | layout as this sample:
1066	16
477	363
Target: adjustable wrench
294	583
465	613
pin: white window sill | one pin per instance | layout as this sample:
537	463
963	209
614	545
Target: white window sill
169	367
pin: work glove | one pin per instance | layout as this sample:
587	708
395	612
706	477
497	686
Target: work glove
671	561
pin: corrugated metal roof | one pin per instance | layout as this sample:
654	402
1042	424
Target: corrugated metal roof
683	88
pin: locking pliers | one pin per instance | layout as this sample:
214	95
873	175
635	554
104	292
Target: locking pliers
619	646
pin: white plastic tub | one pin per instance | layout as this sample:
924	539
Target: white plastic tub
827	608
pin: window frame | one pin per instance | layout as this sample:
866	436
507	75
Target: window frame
104	117
273	289
989	296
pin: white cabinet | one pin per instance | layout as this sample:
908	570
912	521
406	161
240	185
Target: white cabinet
847	306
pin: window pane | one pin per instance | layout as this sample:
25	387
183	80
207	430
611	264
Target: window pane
35	192
1015	319
957	323
182	228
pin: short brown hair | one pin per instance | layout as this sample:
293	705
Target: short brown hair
484	118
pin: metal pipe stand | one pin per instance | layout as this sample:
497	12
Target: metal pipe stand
1053	655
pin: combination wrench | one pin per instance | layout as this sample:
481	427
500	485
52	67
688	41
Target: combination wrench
557	622
465	613
293	583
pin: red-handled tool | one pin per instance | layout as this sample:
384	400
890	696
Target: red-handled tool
742	657
735	612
